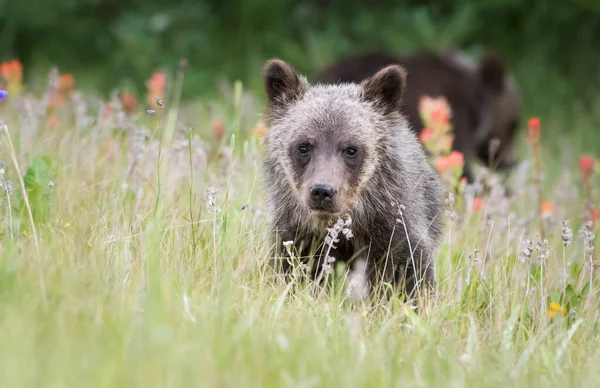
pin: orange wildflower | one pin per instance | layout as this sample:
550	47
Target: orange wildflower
66	83
260	130
547	209
218	128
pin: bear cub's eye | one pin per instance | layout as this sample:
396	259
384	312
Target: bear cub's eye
351	151
303	149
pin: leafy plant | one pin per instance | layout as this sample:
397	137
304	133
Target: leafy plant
39	184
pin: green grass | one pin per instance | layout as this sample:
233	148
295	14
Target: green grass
136	283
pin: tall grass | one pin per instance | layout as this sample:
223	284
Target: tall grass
143	280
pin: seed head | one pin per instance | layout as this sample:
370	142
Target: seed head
567	233
525	254
211	203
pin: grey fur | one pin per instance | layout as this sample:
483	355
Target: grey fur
394	172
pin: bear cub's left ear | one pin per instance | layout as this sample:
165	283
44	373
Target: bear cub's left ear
386	88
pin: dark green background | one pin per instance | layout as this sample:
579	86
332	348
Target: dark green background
552	46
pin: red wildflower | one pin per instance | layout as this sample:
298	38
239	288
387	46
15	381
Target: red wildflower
453	161
156	88
129	103
477	203
440	114
594	214
534	130
426	135
442	164
586	167
534	123
12	71
157	83
456	159
5	70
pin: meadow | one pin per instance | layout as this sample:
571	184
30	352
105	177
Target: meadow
134	253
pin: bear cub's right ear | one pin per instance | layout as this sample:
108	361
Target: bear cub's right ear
282	84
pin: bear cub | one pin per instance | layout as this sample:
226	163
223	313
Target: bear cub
345	151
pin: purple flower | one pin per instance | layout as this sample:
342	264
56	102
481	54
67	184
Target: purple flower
150	111
3	94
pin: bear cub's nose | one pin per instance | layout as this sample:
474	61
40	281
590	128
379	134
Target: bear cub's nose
320	192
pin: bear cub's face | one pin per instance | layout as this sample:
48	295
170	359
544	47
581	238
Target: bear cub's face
325	137
326	167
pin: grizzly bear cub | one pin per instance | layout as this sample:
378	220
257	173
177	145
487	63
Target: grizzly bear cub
338	151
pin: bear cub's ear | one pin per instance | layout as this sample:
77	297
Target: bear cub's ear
386	88
282	84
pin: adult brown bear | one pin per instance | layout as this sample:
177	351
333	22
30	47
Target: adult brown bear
485	100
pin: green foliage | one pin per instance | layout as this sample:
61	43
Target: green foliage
39	183
546	42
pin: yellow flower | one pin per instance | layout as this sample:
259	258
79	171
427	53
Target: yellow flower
556	307
67	225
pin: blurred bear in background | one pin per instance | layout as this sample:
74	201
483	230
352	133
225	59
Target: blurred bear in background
484	97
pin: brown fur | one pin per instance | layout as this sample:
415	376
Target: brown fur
354	139
484	99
